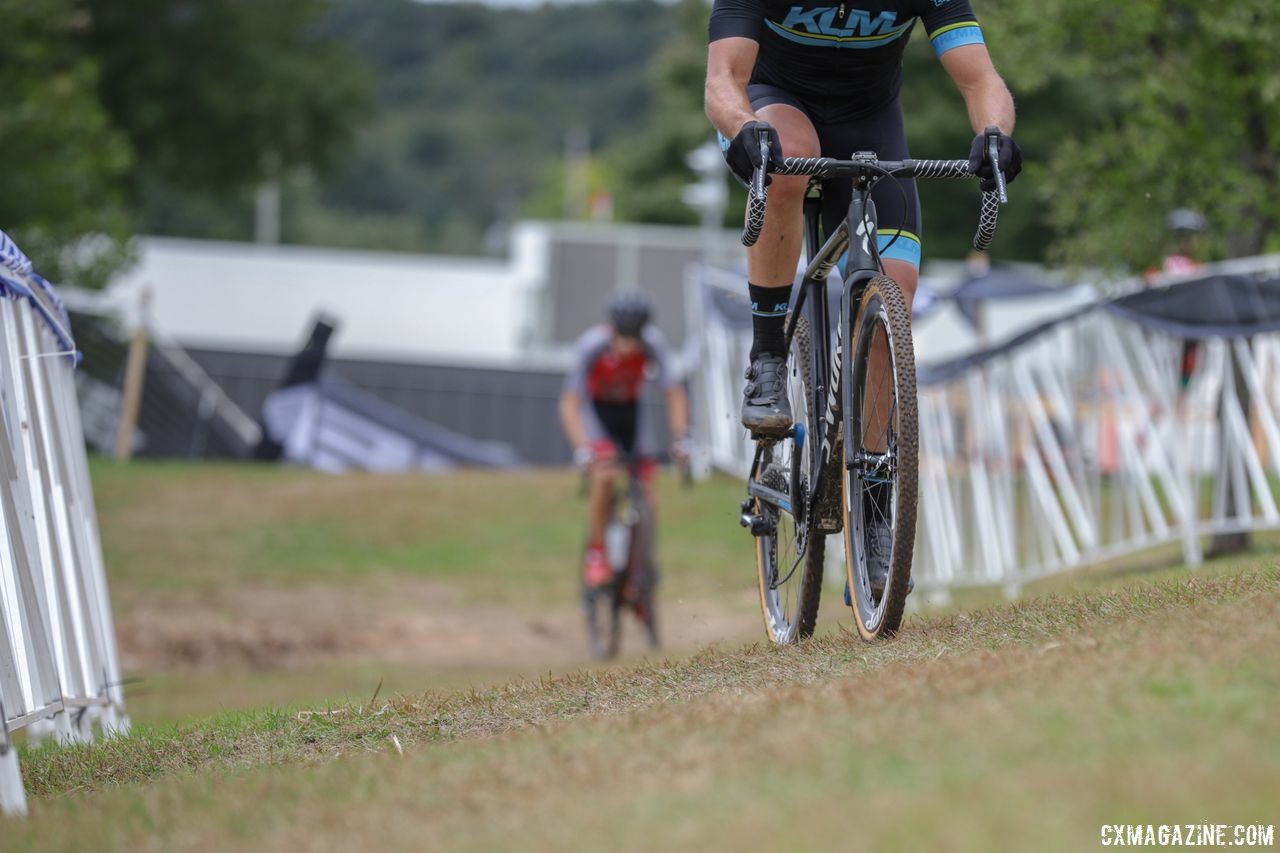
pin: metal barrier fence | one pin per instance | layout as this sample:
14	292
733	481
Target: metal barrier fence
1091	438
59	673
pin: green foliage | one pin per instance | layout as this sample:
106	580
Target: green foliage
1186	114
938	126
217	96
650	165
165	114
64	162
475	103
158	108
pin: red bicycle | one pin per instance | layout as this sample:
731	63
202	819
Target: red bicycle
629	546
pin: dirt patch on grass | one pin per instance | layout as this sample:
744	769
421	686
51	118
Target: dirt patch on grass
412	621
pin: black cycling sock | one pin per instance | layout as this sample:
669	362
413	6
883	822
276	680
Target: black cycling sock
769	319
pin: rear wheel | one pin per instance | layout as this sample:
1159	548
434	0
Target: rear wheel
789	551
880	483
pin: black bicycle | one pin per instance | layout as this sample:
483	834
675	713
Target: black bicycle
850	461
629	545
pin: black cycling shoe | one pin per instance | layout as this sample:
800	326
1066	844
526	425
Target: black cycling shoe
766	411
879	551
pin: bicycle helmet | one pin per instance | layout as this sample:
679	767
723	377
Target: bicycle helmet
629	313
1187	220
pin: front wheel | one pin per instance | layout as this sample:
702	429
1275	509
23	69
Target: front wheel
604	629
641	582
880	478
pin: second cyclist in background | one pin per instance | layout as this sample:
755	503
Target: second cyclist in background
602	415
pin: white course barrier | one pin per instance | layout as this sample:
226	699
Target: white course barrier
59	672
1124	426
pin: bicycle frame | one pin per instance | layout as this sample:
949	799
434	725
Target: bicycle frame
641	523
831	401
634	584
832	397
633	498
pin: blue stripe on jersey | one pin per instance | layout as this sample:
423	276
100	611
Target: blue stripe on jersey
958	36
905	248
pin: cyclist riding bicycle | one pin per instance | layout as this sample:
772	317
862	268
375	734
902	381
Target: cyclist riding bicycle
823	80
601	413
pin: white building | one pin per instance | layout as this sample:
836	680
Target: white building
410	308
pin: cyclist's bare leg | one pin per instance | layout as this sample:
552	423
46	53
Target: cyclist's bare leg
879	378
601	478
771	262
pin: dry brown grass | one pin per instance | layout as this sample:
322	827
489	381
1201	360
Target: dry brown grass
1022	727
735	672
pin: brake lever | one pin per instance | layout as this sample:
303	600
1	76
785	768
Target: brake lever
759	179
993	156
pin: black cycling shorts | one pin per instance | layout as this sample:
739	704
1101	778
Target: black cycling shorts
897	201
620	422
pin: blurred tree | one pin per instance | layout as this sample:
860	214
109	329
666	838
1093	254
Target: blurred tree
648	165
164	108
63	161
218	96
475	103
938	126
1187	115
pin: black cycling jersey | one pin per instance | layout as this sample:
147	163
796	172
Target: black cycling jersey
842	60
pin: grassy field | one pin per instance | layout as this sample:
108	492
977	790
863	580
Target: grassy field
1111	698
240	586
505	537
1020	727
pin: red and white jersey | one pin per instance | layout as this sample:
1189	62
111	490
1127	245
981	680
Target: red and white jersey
602	377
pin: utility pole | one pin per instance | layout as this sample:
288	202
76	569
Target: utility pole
135	374
709	195
577	162
266	224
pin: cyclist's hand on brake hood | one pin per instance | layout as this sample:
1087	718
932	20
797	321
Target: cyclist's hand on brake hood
743	154
1010	160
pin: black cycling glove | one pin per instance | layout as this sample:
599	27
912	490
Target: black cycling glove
1010	160
743	154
